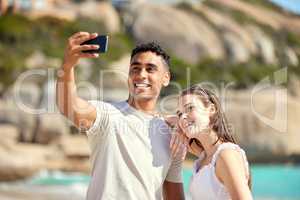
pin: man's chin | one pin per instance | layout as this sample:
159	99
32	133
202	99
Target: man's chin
144	96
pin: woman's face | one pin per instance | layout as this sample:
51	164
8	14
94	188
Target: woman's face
194	117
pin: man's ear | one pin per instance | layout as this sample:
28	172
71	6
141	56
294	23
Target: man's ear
166	79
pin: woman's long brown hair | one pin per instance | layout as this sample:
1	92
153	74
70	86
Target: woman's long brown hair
218	120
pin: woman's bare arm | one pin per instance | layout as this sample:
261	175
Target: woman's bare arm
231	172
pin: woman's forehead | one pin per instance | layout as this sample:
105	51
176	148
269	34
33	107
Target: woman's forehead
189	99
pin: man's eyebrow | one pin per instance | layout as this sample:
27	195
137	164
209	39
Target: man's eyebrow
135	63
151	65
139	63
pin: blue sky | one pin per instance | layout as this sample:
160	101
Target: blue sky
292	5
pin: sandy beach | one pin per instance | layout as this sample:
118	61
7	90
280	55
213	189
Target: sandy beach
30	192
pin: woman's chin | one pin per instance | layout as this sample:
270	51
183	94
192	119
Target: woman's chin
195	132
191	134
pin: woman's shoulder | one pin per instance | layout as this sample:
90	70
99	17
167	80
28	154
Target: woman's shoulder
231	159
229	152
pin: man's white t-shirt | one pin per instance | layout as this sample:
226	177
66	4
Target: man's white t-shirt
130	154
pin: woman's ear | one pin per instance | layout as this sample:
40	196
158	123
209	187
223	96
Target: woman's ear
212	109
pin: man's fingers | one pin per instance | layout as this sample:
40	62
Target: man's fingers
176	146
87	55
172	140
80	48
172	144
79	34
80	40
179	129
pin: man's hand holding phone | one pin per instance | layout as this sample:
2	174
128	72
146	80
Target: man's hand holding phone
77	47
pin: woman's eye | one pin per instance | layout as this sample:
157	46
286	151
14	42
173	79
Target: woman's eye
179	114
190	108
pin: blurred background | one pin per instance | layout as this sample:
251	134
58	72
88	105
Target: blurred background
247	50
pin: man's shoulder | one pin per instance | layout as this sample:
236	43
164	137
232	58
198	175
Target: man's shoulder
109	105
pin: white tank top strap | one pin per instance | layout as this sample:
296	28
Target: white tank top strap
196	164
229	145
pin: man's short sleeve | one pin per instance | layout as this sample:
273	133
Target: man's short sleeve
102	118
175	171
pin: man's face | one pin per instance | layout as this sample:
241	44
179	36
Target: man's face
147	75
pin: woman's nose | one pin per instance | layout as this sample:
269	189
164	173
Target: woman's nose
183	119
184	116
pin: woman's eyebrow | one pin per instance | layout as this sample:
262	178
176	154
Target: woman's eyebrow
187	104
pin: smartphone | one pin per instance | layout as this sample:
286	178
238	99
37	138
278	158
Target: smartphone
101	40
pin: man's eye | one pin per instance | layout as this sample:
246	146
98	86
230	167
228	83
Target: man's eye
150	69
134	69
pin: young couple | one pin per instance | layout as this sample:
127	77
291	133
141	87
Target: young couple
134	154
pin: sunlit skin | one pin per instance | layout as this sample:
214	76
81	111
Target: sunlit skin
147	75
194	122
194	116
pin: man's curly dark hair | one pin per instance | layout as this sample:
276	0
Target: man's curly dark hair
153	47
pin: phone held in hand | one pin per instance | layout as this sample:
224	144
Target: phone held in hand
101	40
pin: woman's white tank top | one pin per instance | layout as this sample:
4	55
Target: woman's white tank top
204	184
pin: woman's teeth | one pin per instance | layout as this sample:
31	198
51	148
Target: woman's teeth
190	124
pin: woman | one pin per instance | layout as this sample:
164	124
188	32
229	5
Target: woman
221	170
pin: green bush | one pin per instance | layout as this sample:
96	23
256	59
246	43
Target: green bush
217	72
20	37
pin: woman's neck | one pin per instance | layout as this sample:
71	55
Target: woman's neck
208	141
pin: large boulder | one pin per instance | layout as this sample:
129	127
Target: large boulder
268	17
16	108
186	35
101	11
236	50
19	161
225	24
264	43
9	134
23	160
265	122
50	128
291	56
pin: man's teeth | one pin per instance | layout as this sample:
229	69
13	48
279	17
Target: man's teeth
142	85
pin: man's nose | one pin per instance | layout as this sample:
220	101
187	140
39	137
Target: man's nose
143	73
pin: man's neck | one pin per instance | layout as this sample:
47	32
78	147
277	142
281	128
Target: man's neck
144	105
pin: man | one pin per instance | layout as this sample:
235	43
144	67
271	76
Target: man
129	142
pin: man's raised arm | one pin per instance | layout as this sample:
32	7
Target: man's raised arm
76	109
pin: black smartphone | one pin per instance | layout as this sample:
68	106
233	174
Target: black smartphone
101	40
